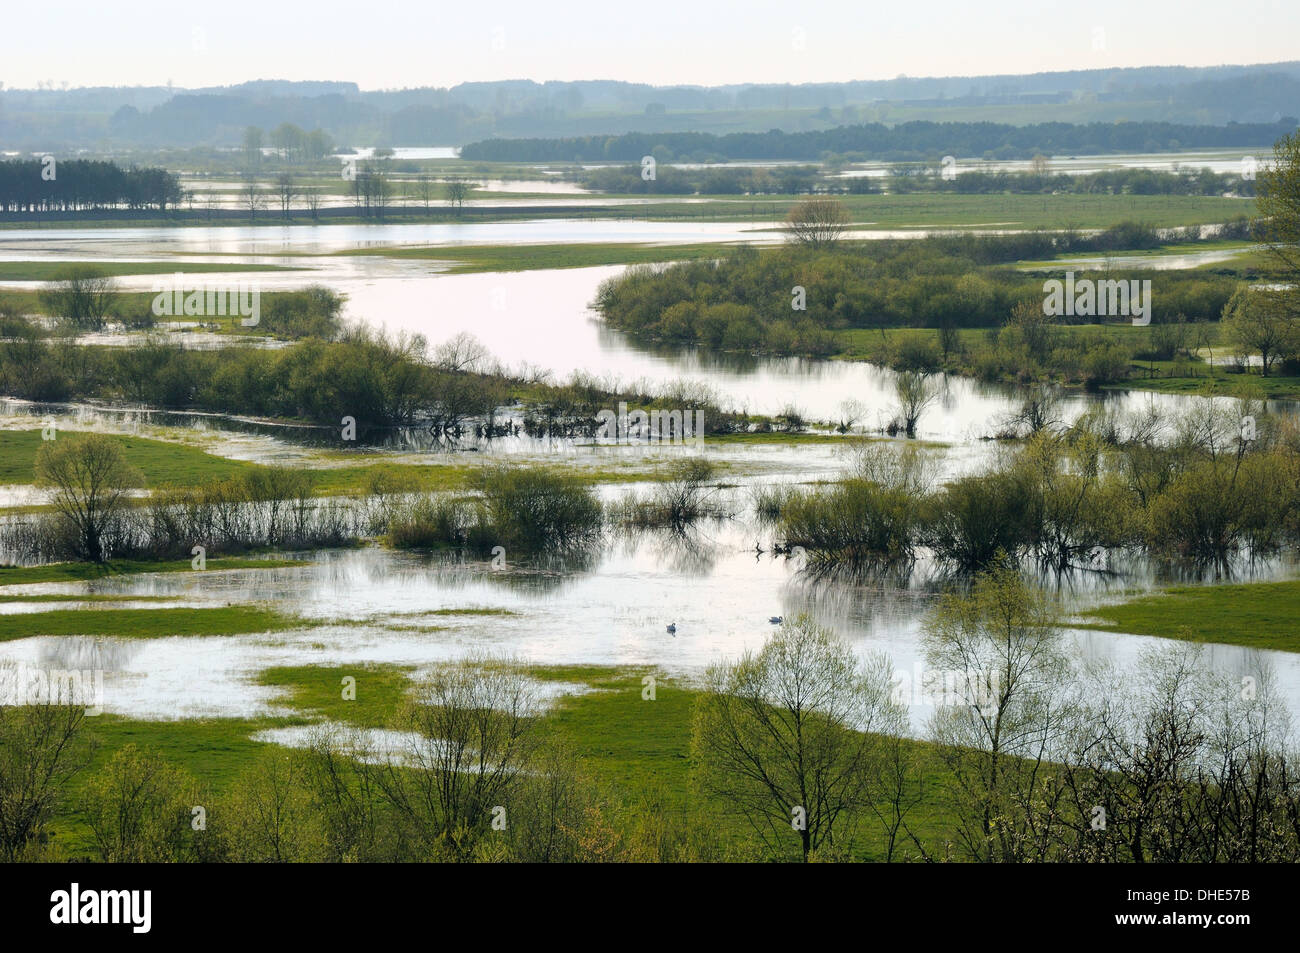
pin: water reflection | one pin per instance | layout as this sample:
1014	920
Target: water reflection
610	607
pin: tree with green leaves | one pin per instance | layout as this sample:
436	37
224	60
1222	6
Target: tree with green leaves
999	649
41	748
1263	321
91	477
1278	202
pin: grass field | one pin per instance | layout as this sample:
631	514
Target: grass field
144	623
1260	615
480	258
317	691
164	464
161	463
911	210
637	750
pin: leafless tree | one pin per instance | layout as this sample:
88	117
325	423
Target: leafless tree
251	197
790	737
81	295
311	196
286	188
457	192
915	393
473	738
41	748
463	352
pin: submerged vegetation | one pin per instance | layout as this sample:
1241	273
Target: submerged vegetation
1204	488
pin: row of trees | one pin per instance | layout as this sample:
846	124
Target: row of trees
919	140
76	185
799	180
292	142
378	380
1201	181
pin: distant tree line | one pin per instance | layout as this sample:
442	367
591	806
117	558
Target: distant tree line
1106	182
668	180
84	184
297	143
906	141
809	179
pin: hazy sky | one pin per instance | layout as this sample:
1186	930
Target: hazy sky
387	44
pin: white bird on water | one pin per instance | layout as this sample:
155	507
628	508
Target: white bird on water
672	629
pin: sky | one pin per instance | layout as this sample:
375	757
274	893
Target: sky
382	44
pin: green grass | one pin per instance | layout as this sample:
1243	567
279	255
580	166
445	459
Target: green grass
499	258
642	748
162	463
141	302
912	210
948	210
1209	381
1239	249
639	750
1257	615
145	623
318	691
215	751
82	572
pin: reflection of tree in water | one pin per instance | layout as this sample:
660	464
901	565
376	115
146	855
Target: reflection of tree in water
870	598
548	574
689	551
87	653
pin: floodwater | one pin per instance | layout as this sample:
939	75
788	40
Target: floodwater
1217	160
540	319
385	607
716	583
